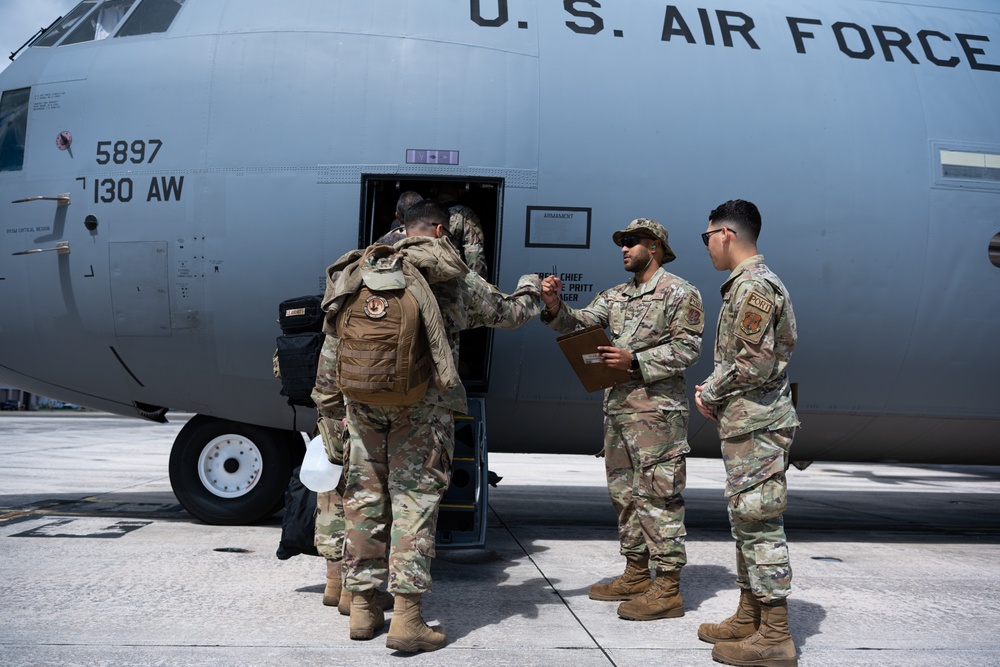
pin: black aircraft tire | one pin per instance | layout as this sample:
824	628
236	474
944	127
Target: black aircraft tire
228	473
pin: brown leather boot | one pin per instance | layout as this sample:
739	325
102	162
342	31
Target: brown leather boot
661	600
344	606
331	594
739	626
383	601
407	630
770	646
366	616
634	581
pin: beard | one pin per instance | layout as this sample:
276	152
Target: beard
637	264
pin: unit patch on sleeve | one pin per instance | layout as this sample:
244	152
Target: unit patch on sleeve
693	317
754	316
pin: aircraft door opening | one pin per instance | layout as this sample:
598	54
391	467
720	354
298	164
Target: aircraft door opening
484	198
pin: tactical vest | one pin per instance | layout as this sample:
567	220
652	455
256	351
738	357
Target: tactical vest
383	357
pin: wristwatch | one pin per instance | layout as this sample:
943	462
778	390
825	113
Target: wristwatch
635	363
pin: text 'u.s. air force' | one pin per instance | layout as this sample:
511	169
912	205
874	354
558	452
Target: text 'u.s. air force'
916	44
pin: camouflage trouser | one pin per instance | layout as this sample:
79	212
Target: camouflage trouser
329	504
330	524
399	468
755	467
645	465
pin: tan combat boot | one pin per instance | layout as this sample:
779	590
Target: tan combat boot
331	594
661	600
407	630
383	601
631	583
770	646
366	616
739	626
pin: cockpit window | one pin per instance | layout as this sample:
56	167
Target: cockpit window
101	23
151	16
65	24
99	19
13	127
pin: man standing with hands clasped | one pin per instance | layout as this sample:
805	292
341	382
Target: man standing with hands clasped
655	321
749	395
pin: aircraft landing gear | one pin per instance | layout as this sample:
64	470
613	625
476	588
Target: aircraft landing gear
230	473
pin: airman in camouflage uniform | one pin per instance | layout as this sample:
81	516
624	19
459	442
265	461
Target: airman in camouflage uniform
399	459
330	509
464	227
656	322
329	402
750	396
467	234
330	522
397	232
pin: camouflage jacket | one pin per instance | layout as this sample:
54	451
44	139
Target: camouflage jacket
756	334
661	322
466	301
468	233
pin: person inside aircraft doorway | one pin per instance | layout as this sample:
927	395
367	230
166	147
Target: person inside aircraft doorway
655	321
465	227
397	231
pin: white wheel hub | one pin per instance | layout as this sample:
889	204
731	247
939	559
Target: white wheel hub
230	466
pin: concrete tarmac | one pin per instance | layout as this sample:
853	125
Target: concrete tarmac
99	565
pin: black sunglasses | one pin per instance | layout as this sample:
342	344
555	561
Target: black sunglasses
705	235
629	241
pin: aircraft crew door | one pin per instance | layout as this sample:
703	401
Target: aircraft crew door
484	197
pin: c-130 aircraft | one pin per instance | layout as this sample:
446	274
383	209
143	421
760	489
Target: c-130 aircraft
171	170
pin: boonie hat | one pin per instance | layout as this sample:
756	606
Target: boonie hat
649	229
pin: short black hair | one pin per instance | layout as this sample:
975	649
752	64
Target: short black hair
425	215
405	201
738	213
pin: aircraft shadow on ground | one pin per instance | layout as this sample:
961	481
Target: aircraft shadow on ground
585	512
919	474
820	515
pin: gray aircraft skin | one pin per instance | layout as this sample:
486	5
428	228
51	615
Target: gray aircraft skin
189	165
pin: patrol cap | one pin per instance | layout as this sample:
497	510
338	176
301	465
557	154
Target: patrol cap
383	272
649	229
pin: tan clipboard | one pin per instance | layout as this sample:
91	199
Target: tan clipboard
580	348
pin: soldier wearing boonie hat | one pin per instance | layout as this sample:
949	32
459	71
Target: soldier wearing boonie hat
646	228
655	323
